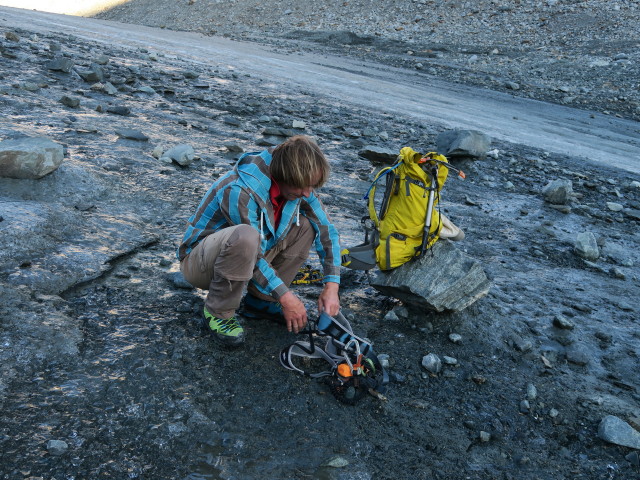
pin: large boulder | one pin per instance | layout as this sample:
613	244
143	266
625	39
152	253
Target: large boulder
443	279
29	157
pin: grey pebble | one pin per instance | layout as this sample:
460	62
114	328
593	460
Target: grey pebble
57	447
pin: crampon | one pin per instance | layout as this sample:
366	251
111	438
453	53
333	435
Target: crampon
354	369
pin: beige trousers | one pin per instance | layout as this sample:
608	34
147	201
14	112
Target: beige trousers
223	263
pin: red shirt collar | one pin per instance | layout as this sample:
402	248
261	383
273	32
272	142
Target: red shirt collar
277	201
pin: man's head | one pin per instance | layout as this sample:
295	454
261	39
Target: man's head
298	166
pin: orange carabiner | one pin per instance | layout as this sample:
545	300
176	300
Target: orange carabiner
344	370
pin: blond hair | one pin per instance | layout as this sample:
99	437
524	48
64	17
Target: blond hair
299	163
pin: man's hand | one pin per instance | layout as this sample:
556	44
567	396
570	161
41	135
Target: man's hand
294	312
329	301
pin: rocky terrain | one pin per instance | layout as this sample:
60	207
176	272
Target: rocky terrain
107	374
584	54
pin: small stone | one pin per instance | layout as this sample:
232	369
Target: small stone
558	192
449	360
61	64
232	121
93	75
532	392
485	436
402	312
615	207
57	447
633	213
110	89
418	403
30	87
562	322
553	413
234	147
179	281
455	338
522	344
70	102
117	110
384	360
336	462
525	406
512	86
181	154
391	316
298	124
12	37
158	150
101	60
184	307
432	363
131	134
578	355
586	246
378	154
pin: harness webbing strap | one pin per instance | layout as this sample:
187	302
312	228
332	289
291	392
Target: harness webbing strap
340	330
305	349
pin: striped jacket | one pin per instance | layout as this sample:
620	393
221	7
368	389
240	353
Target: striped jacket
241	196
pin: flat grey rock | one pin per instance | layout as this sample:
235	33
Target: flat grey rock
443	279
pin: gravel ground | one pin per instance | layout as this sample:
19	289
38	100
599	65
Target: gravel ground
580	53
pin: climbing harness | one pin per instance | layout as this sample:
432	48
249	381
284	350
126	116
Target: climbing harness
354	369
307	276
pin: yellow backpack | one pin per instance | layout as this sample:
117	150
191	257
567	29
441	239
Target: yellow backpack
403	230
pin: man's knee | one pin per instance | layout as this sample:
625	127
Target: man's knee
244	241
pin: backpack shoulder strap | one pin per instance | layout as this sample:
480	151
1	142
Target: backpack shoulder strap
371	193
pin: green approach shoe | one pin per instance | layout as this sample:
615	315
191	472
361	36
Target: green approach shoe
226	330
